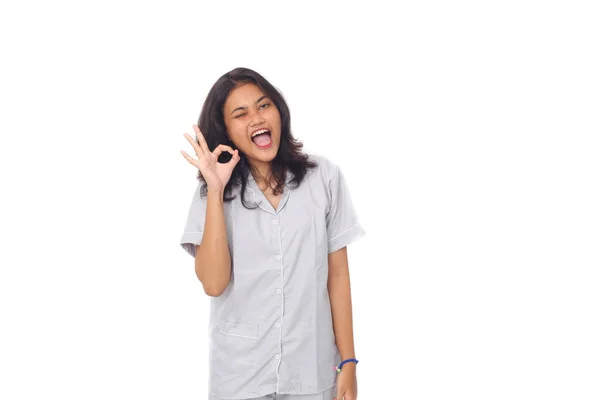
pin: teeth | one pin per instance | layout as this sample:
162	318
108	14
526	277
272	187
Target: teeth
259	132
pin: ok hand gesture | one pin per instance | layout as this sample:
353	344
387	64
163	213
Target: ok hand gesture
215	174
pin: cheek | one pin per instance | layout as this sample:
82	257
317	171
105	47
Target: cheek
276	118
239	141
236	131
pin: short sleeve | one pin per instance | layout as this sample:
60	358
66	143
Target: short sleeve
343	226
194	225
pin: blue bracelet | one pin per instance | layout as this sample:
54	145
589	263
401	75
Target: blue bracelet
339	368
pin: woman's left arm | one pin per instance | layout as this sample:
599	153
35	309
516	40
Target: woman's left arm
338	285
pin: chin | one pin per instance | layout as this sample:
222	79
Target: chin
268	157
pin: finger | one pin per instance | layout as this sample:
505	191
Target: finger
201	139
339	394
221	148
349	395
235	158
190	159
197	149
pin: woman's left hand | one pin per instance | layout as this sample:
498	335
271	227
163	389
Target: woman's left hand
346	383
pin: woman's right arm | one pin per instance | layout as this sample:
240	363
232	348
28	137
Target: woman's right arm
213	261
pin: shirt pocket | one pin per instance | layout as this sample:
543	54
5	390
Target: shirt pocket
249	331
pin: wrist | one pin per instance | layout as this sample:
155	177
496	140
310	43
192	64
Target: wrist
349	366
216	193
349	363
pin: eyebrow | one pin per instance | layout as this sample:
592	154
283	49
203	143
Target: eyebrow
256	102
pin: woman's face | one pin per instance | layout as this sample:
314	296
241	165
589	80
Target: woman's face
248	111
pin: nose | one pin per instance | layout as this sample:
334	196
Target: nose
256	119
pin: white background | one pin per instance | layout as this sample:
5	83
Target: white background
468	132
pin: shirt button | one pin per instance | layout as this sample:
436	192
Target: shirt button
278	324
277	356
274	221
278	290
278	257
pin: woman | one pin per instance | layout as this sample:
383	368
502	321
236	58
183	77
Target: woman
268	227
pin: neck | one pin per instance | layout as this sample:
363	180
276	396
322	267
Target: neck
260	171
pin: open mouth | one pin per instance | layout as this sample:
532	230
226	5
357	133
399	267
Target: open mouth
262	138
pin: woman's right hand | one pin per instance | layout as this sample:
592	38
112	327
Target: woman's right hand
215	174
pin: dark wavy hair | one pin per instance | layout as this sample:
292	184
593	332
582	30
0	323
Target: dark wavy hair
212	125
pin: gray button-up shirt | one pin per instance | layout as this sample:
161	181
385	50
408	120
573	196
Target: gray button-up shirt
272	329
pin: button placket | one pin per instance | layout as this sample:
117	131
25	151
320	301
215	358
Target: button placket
278	256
